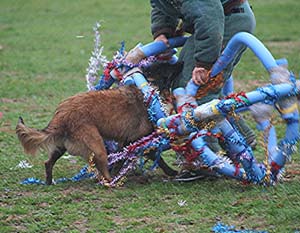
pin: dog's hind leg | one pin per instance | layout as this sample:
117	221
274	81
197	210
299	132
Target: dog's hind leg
49	164
94	141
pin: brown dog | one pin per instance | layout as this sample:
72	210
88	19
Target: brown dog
82	122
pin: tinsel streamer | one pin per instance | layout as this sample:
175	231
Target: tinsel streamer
220	163
123	155
147	61
264	144
117	180
96	60
227	105
131	153
223	228
81	175
32	180
293	80
186	149
188	121
120	60
288	146
152	100
24	164
271	94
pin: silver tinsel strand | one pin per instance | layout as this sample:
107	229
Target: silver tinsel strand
96	61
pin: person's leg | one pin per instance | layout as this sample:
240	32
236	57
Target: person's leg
243	21
234	23
187	57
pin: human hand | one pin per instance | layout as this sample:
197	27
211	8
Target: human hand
167	54
200	76
162	38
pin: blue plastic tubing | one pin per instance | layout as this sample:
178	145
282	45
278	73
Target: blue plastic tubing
211	159
232	48
292	129
141	82
158	47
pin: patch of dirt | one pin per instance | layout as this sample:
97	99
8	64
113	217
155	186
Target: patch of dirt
8	194
292	172
118	220
81	225
13	218
9	101
283	44
6	127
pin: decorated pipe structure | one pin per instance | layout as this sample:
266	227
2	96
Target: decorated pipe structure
271	94
217	110
180	124
281	92
242	152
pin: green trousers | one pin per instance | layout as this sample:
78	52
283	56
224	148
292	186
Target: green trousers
234	23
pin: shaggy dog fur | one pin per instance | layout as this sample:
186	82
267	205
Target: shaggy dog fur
82	122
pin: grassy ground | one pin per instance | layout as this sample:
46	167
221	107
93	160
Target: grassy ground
44	51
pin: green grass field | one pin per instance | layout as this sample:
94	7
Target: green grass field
44	51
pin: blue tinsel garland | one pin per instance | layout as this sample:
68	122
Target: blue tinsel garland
222	228
81	175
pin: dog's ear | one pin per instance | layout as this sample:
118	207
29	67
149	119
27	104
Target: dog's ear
20	121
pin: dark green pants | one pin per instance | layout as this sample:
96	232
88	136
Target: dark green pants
234	23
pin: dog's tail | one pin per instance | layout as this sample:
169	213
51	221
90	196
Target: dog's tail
33	139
